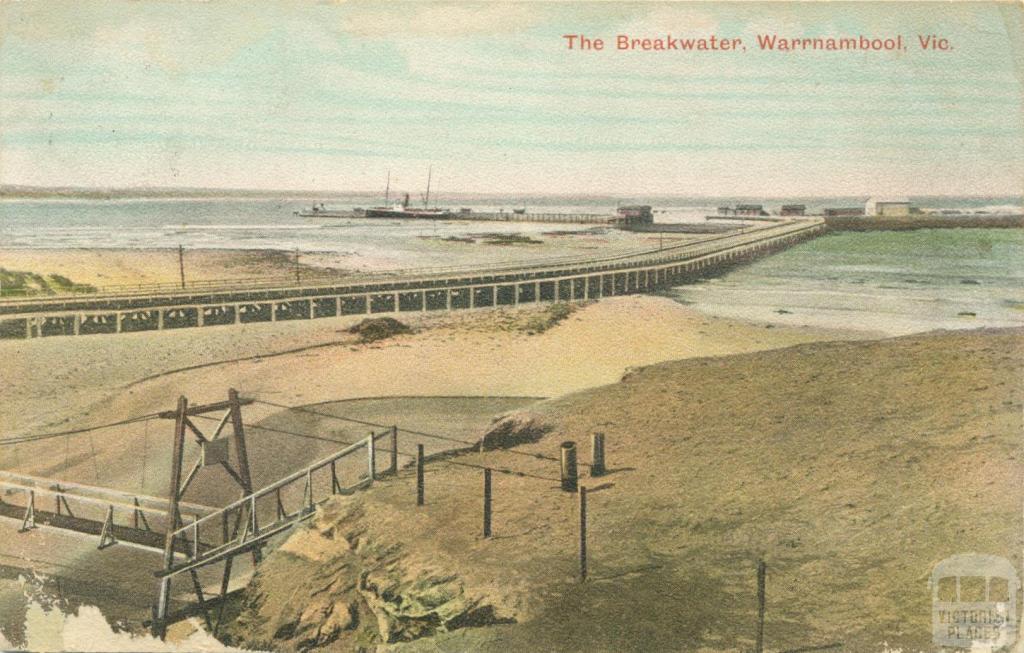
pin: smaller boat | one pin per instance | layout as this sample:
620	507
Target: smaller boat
321	211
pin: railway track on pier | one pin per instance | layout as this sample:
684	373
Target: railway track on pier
128	310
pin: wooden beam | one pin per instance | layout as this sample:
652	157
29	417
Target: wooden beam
195	430
244	475
107	533
191	476
202	600
234	406
220	425
164	592
206	408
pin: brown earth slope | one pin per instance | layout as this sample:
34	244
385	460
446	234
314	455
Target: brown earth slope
851	468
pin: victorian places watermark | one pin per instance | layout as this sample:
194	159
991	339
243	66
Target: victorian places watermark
974	603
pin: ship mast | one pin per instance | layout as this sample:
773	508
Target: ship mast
387	188
426	198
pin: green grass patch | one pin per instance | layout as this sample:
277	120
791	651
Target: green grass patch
18	283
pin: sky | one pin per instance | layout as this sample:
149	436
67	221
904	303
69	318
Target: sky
334	95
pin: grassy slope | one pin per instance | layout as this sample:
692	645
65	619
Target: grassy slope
17	283
852	468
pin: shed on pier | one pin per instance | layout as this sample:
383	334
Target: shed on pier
887	207
750	209
634	214
793	209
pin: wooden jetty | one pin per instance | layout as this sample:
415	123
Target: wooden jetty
553	218
437	290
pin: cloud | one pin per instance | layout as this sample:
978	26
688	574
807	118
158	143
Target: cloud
399	20
673	18
172	36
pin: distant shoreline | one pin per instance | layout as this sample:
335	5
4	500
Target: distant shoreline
24	192
71	193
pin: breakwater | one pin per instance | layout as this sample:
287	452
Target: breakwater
578	280
554	218
908	223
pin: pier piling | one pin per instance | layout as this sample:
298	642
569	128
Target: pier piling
597	448
419	475
394	450
487	502
583	534
569	474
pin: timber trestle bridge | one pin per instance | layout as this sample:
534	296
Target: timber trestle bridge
412	291
191	536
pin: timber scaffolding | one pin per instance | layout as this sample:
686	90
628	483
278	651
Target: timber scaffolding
572	280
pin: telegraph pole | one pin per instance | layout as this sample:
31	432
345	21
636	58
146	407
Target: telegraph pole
181	264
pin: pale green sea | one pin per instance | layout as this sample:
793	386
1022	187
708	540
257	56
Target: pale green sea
892	282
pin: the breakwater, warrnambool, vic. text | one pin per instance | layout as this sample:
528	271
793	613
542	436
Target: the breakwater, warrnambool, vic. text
768	42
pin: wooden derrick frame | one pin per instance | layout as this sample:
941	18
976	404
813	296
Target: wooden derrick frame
240	473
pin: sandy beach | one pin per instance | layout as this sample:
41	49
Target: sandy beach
59	383
99	378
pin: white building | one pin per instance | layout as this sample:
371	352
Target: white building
887	207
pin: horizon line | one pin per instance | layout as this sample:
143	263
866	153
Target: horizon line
6	189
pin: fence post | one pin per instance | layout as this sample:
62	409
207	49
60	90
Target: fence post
309	488
252	515
394	450
762	569
583	533
371	457
487	502
597	448
569	476
419	475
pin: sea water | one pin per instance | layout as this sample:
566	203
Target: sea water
885	281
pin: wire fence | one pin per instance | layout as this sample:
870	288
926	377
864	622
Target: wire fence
446	438
36	437
399	452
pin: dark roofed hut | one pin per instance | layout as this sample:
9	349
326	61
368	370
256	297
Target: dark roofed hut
635	214
750	209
